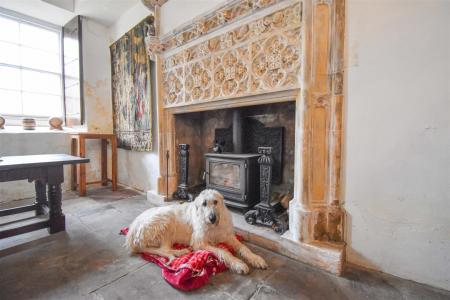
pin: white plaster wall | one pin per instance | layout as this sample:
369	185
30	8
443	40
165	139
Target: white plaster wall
175	13
97	77
127	20
97	92
139	170
397	164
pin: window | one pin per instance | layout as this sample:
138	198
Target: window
30	69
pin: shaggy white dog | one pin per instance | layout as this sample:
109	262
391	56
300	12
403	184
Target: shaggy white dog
202	224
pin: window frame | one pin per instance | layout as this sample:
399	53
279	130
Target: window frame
16	120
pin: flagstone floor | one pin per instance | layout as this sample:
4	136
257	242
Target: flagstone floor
88	262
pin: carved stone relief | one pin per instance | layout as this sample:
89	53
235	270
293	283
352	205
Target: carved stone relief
257	57
227	14
198	80
231	74
276	61
173	87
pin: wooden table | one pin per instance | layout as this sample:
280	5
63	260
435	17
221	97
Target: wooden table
78	147
47	172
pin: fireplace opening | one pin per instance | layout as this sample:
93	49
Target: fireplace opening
223	150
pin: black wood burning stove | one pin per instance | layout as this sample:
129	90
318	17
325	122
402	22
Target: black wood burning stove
236	176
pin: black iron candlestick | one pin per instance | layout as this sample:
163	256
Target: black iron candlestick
265	212
182	189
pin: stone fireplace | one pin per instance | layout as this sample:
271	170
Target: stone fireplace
252	55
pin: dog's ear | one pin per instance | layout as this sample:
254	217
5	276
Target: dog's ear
218	195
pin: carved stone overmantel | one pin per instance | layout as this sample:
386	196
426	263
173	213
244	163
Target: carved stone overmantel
257	57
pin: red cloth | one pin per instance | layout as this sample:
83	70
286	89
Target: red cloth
190	271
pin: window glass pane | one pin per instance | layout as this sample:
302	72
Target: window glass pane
9	78
72	69
41	82
73	91
9	30
73	106
71	82
40	38
9	53
41	105
38	59
10	103
71	50
26	92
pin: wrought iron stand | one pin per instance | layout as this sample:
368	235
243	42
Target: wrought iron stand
265	212
182	189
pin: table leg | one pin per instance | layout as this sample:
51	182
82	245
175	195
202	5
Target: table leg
41	197
114	163
57	220
73	168
104	166
82	173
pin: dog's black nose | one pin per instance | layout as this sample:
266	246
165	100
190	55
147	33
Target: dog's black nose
212	218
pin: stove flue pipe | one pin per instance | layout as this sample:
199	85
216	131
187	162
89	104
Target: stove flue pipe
237	131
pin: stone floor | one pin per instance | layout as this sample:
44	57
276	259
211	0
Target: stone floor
88	262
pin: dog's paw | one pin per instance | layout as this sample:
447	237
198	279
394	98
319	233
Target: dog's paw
239	267
258	262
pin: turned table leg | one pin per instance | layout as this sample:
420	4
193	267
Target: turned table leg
41	197
57	220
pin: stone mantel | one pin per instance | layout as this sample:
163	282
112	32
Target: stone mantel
286	50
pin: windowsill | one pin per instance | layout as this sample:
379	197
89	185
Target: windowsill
40	129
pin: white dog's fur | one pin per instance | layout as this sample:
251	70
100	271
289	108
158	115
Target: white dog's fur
202	224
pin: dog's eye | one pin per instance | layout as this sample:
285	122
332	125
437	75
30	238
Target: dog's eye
215	202
204	203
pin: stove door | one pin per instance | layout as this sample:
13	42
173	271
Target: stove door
228	176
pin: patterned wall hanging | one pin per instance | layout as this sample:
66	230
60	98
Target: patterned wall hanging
131	89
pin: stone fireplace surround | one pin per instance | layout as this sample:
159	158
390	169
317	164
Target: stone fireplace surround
216	62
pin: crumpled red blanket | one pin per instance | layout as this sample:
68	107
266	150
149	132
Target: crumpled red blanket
190	271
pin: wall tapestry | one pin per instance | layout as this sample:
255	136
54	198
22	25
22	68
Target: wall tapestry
131	89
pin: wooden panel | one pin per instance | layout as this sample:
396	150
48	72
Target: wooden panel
73	81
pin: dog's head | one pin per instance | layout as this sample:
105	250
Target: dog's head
209	206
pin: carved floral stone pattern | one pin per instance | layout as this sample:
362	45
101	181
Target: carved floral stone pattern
173	86
276	62
227	14
260	56
198	81
231	74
